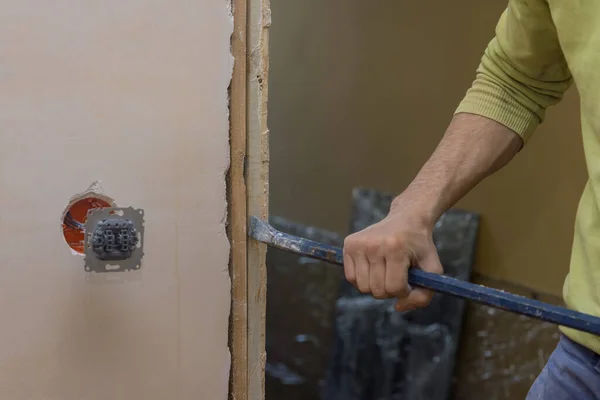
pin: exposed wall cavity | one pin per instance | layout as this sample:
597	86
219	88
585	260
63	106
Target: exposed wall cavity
132	93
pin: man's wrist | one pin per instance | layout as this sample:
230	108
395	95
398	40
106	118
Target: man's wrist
417	208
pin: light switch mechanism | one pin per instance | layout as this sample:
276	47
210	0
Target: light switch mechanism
114	239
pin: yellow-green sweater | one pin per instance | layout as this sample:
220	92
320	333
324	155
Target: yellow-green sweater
541	47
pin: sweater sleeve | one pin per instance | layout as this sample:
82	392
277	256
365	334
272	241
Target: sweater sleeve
522	72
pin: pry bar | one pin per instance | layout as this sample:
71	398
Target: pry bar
265	233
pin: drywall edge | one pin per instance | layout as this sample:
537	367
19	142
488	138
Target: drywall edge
236	186
257	180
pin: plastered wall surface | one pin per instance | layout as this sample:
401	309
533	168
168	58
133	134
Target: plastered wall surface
360	95
132	94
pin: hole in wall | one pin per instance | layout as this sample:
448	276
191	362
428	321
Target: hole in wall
75	216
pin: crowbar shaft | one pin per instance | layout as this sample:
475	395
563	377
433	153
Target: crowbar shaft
265	233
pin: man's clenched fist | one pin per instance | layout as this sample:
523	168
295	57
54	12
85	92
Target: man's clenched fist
376	259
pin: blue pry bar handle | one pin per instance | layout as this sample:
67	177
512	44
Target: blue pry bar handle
265	233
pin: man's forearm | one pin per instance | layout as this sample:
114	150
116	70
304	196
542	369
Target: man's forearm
472	148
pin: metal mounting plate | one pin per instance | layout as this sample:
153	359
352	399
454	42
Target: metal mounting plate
128	215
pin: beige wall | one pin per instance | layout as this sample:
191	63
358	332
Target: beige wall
134	94
360	94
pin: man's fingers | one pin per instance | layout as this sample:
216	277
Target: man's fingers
417	298
396	282
361	266
377	277
349	268
378	264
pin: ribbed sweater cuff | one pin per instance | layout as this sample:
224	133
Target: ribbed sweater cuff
495	103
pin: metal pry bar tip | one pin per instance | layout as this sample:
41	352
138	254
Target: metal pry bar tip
265	233
260	230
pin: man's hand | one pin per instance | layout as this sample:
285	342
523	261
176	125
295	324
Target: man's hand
376	259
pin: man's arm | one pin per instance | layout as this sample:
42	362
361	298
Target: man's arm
472	148
376	260
522	72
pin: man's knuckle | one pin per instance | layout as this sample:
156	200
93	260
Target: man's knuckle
380	295
349	243
393	243
438	268
372	247
377	288
363	289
